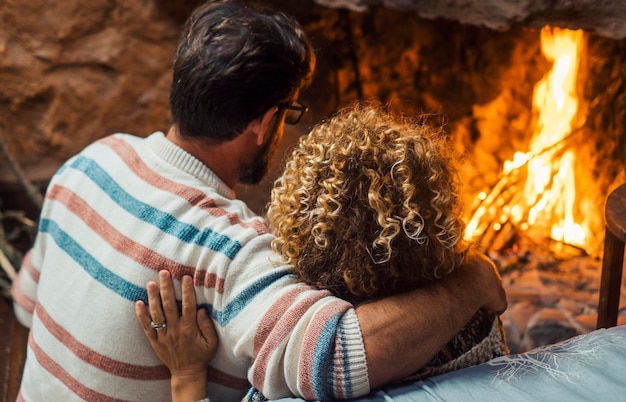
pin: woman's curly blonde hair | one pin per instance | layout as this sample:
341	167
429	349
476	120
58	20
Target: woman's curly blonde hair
367	205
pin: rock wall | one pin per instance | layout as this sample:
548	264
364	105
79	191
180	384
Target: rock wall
71	72
604	17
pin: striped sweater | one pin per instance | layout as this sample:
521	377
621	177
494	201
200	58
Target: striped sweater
127	207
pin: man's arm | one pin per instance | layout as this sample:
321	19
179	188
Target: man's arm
400	333
403	332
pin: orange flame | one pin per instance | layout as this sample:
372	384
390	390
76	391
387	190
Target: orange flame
549	193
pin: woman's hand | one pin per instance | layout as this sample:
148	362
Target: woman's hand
184	344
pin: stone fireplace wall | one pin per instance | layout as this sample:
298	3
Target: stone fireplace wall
72	72
602	17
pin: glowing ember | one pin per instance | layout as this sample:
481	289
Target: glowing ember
545	197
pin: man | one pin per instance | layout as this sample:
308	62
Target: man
127	207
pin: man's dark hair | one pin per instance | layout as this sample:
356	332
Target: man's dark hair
235	60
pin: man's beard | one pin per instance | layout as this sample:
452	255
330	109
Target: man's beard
254	172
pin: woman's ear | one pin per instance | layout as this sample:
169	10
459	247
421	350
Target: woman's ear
260	125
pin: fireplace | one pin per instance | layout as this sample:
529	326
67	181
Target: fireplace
473	66
486	84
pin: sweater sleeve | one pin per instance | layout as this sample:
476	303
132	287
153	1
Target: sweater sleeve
302	341
26	283
24	291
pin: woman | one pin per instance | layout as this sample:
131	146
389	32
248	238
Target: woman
368	207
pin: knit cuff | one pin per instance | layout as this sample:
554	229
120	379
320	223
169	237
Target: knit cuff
354	358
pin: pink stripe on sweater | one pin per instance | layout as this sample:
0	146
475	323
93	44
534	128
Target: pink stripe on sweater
227	380
192	195
143	255
278	324
269	321
99	360
62	375
126	370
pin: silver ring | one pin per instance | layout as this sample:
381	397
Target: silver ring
158	327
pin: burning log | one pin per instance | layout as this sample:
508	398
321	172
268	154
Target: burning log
494	216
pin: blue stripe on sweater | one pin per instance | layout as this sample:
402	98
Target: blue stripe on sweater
132	292
147	213
245	297
347	381
323	352
91	265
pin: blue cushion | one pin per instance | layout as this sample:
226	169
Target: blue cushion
589	367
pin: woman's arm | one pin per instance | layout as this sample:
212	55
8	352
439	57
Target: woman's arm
184	344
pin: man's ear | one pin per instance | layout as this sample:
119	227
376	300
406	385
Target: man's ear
259	126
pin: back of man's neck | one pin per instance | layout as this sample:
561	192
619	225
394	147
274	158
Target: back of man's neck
218	158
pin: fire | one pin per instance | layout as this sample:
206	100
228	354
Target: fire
546	200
